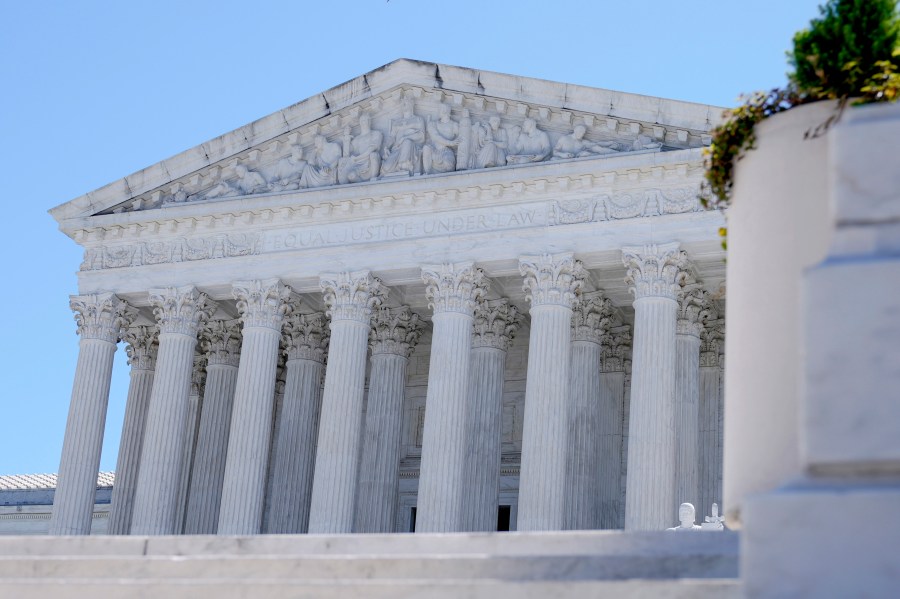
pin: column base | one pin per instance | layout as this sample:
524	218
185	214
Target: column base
822	539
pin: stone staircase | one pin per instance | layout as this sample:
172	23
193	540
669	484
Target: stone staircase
443	566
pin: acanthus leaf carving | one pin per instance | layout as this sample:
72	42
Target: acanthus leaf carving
198	375
102	316
654	270
352	295
454	287
181	310
591	317
262	303
306	336
394	331
142	343
496	324
221	340
615	348
552	279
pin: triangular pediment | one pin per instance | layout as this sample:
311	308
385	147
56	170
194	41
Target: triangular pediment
407	119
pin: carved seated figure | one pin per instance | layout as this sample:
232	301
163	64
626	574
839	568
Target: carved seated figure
644	142
686	515
362	154
531	145
402	155
321	169
490	142
575	145
247	183
288	171
438	156
713	522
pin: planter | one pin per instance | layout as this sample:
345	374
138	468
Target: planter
779	224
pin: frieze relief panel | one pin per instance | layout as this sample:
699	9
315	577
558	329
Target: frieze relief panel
412	132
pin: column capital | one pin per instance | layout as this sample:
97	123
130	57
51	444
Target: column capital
693	303
453	287
654	270
181	309
352	295
614	349
142	343
102	316
711	343
496	324
221	341
394	331
262	303
591	317
305	336
552	279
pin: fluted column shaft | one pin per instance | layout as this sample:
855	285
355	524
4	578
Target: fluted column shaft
687	419
179	313
612	404
350	298
141	349
710	419
392	339
453	290
263	305
551	283
191	428
585	441
294	450
650	495
100	320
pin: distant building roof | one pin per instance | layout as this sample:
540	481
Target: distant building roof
14	482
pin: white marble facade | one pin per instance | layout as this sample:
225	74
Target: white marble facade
430	287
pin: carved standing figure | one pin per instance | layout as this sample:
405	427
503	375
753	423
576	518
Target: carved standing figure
288	170
531	145
321	169
490	143
575	145
438	155
404	146
362	154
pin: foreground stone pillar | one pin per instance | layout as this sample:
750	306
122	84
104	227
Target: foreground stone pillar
496	324
141	349
551	284
591	317
350	298
452	291
710	416
221	341
652	272
191	428
101	320
692	303
613	359
305	340
263	305
179	314
393	338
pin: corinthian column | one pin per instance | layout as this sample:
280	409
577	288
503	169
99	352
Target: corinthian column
452	291
652	272
305	340
551	284
496	324
263	305
392	340
179	314
101	319
613	359
191	427
221	342
141	349
350	298
710	449
692	301
591	317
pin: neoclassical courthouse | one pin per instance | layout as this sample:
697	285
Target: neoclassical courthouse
430	299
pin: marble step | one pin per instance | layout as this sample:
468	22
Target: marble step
377	589
347	567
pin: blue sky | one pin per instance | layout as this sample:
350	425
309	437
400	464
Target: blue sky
93	91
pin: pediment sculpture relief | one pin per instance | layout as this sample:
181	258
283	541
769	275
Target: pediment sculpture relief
409	144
